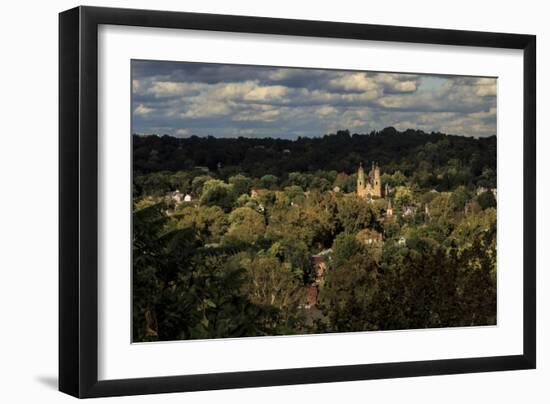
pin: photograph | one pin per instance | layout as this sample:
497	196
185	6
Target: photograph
275	201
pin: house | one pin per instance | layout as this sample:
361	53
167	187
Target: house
318	269
319	265
370	237
255	192
311	296
177	196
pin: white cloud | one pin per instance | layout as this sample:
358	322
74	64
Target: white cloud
143	110
249	91
326	111
171	89
309	102
279	74
486	87
266	93
206	109
399	83
136	84
182	132
358	82
268	115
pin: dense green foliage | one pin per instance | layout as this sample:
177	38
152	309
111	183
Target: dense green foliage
236	259
434	160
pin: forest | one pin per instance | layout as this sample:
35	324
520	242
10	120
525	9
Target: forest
239	237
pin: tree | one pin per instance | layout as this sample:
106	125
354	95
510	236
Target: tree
416	286
197	184
155	184
394	180
292	251
181	181
349	288
148	262
320	184
487	200
488	178
217	192
474	242
441	207
299	179
246	226
398	179
272	283
180	292
309	222
344	182
269	181
295	193
354	213
460	197
241	184
345	246
209	222
403	196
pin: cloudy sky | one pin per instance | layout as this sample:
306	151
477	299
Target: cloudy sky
185	99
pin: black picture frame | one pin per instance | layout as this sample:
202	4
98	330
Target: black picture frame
78	201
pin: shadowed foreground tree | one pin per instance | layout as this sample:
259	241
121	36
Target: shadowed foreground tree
420	285
347	295
272	283
183	291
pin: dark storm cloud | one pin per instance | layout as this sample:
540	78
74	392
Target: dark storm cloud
184	99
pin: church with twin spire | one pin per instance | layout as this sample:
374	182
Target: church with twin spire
369	186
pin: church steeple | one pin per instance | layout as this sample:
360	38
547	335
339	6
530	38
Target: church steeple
389	209
377	184
361	180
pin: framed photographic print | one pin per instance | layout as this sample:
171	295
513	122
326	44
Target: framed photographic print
251	201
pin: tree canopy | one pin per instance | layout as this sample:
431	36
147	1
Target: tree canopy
264	234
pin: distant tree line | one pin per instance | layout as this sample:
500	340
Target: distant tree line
432	159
